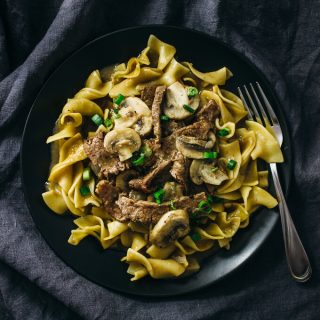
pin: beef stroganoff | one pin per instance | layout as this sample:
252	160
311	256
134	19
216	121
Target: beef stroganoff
154	156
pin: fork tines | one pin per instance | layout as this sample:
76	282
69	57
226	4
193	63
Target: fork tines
255	108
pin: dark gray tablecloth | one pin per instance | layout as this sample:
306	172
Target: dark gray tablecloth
281	36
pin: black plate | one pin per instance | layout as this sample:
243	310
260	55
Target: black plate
88	259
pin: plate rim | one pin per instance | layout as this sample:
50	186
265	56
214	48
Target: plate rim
212	38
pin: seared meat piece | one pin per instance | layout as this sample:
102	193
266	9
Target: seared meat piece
169	127
199	130
147	95
107	193
149	183
101	160
179	170
208	112
151	212
114	166
156	111
95	150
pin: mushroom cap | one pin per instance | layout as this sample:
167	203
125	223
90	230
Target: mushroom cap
134	113
122	142
192	147
202	171
177	97
171	226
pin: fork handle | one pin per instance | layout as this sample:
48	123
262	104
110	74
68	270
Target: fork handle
297	258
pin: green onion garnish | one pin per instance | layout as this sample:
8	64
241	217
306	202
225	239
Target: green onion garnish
204	206
116	111
86	174
97	119
84	190
192	91
188	108
118	99
139	161
223	132
214	169
231	164
195	236
210	155
158	195
108	122
164	118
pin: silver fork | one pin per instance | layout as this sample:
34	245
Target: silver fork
297	258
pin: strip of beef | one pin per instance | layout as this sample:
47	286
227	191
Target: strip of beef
150	212
107	165
107	193
179	170
156	111
95	150
114	166
199	130
147	95
156	176
208	112
169	127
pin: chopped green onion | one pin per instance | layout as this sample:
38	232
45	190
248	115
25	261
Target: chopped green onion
188	108
210	155
139	161
97	119
85	191
231	164
118	99
192	91
205	206
223	132
116	111
172	206
158	195
108	122
86	174
164	118
214	169
195	236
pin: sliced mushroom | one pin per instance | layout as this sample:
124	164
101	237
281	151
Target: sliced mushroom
192	147
177	97
122	142
172	190
211	173
171	226
122	180
134	113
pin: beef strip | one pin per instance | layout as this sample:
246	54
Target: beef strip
147	95
149	182
179	170
169	127
208	112
107	193
156	111
107	165
95	150
150	212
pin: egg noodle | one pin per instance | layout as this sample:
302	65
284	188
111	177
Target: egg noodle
239	143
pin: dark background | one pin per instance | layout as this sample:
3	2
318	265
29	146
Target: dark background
283	39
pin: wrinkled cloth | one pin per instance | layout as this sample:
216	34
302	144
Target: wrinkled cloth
281	36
